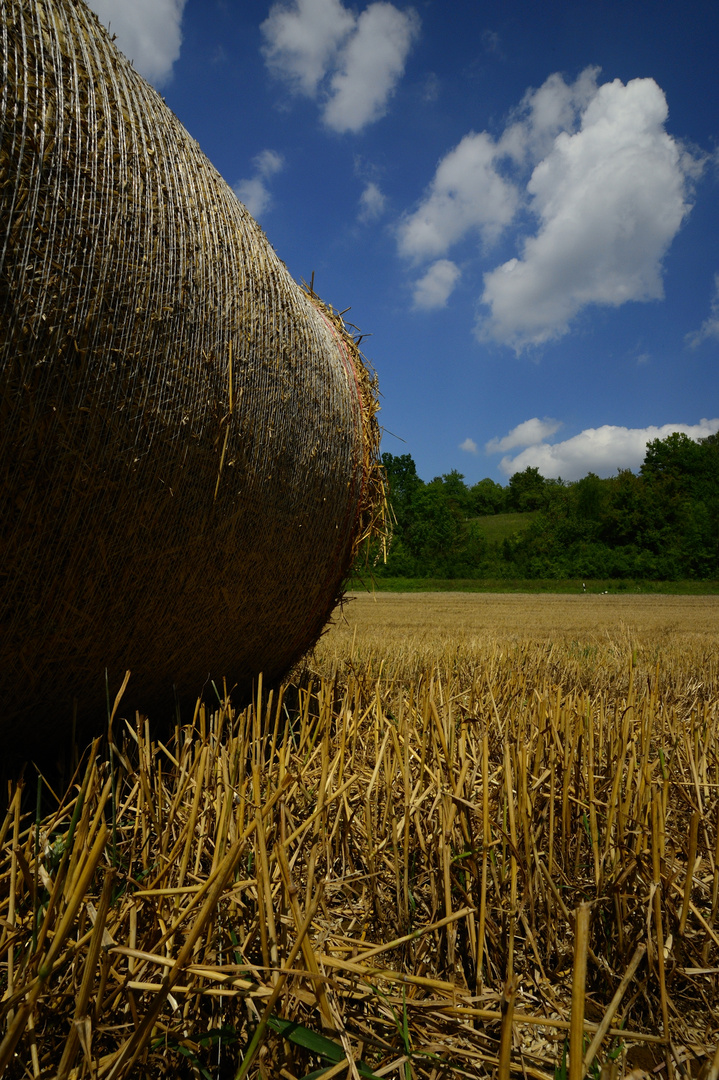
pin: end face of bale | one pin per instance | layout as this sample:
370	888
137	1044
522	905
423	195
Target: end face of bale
371	528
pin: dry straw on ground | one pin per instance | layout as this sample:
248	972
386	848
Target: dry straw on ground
188	448
502	862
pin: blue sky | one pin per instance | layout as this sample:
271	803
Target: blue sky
517	201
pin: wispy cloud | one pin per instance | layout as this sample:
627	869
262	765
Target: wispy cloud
492	43
253	191
710	327
350	63
469	446
601	450
433	290
431	89
148	32
372	202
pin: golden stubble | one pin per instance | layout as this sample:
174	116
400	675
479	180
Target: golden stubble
438	843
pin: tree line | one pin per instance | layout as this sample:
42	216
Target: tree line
661	523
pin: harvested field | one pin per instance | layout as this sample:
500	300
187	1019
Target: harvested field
441	850
576	640
459	615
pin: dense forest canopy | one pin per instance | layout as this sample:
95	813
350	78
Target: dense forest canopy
659	524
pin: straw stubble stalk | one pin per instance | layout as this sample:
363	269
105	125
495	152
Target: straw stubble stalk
603	1028
579	978
659	928
88	977
713	1073
509	994
127	1055
8	929
301	928
513	869
261	1028
47	962
689	876
485	857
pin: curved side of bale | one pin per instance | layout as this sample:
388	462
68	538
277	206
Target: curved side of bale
188	448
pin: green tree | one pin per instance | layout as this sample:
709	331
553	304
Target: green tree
526	490
590	496
435	529
660	523
403	484
456	493
486	497
677	458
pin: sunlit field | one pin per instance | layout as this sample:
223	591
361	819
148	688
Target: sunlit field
540	616
591	636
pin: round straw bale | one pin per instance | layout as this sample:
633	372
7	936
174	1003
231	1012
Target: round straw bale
188	446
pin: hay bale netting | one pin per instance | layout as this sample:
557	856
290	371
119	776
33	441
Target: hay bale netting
188	448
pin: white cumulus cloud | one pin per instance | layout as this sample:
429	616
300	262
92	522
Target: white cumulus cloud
148	32
610	198
254	191
467	195
372	202
606	184
475	188
544	113
370	67
710	327
600	450
469	446
525	434
351	63
302	40
433	290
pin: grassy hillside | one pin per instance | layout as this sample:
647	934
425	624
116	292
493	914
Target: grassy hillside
497	527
